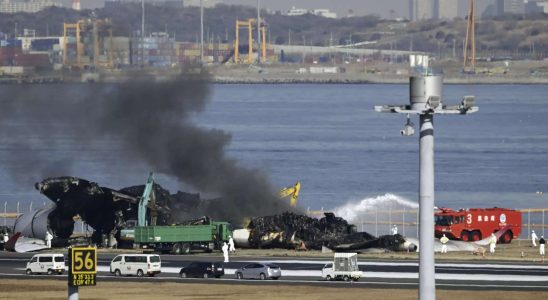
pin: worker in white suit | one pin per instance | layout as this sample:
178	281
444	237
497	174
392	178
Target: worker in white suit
225	251
534	238
231	244
49	237
444	241
492	243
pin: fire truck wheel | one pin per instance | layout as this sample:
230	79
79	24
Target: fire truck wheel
507	237
465	236
475	236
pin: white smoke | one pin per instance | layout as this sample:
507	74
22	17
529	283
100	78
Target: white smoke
355	211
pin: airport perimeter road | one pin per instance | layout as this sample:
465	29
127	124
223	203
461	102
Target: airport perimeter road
459	275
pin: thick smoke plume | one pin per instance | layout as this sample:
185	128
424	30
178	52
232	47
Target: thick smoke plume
148	120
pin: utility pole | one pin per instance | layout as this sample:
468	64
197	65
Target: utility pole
426	100
201	31
289	40
142	32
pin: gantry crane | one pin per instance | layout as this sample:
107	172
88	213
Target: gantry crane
91	37
249	25
469	63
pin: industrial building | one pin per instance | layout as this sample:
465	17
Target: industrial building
28	6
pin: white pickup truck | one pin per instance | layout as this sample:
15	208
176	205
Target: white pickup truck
344	267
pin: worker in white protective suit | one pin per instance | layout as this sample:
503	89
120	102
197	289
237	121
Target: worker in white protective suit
231	244
225	251
444	241
534	238
394	230
49	237
492	243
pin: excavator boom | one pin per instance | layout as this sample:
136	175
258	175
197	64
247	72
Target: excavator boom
292	191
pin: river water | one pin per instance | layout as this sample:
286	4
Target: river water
345	154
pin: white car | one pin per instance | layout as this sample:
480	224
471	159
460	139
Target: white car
46	263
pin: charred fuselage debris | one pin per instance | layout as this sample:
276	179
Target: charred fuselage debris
290	231
105	209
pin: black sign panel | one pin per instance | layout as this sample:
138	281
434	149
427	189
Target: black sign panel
82	266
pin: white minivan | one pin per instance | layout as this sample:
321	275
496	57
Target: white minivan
136	264
49	263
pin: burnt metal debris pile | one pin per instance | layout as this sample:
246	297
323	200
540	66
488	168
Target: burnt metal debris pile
290	230
105	209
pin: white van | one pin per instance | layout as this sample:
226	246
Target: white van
136	264
46	263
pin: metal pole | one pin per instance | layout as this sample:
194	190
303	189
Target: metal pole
376	222
427	288
142	32
543	224
390	220
201	31
529	224
72	292
259	50
403	222
30	207
17	207
6	204
418	223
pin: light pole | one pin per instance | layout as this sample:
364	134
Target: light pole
201	31
259	31
143	33
426	100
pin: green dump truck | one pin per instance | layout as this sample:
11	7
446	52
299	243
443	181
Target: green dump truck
181	239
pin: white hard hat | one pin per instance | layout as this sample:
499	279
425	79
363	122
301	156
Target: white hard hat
532	231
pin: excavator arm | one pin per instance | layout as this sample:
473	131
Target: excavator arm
145	199
292	191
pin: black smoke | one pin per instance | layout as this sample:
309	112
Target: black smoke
148	121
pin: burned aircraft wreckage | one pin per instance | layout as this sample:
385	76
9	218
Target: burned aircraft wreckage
294	231
107	211
104	209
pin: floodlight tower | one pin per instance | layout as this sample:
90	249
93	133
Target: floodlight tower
426	100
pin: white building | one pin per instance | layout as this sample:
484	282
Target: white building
448	9
326	13
421	10
76	5
206	3
29	6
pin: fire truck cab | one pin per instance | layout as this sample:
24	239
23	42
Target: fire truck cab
475	224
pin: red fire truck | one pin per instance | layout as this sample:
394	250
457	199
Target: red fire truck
475	224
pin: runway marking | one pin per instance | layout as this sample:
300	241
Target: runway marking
398	275
322	282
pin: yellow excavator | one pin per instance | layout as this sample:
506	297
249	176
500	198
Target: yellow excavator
292	191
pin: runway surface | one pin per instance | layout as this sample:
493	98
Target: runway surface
379	274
